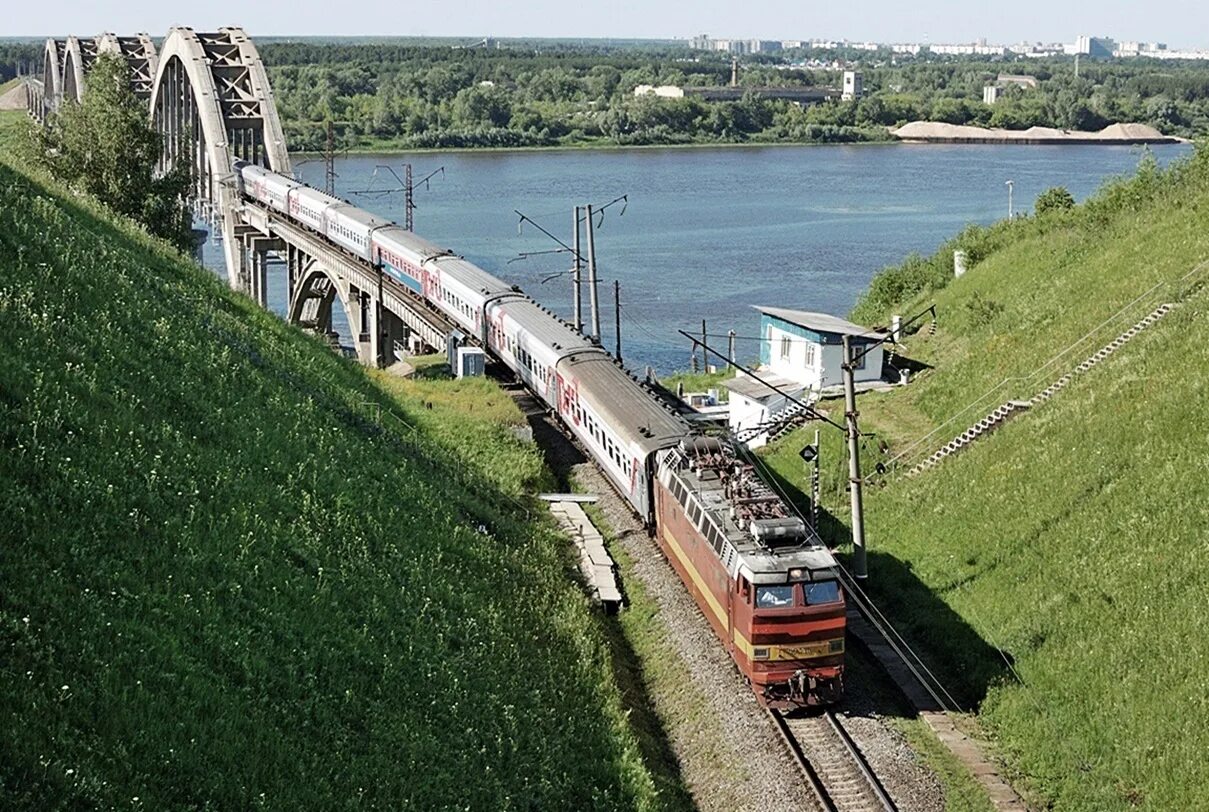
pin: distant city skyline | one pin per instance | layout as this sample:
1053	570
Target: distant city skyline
1181	23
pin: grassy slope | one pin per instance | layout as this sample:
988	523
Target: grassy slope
220	584
1073	537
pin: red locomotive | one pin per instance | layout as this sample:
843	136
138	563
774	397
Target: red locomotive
765	582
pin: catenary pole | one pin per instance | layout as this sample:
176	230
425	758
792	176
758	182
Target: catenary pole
592	292
617	315
577	268
859	563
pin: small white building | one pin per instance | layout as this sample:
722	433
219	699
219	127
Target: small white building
755	404
800	357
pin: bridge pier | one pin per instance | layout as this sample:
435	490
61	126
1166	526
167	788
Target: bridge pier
394	334
255	265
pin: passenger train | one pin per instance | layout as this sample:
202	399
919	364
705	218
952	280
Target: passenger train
762	578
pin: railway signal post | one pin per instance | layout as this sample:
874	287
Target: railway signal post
859	563
815	484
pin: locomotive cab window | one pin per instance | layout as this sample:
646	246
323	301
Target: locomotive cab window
822	592
774	597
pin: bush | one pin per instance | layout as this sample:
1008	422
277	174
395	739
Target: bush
1056	198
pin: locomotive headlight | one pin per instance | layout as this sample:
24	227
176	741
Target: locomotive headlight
759	653
797	574
836	645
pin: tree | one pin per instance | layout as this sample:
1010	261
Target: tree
481	106
1056	198
105	147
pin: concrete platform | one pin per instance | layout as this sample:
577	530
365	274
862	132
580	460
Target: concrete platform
597	566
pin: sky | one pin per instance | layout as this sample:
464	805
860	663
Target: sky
1180	23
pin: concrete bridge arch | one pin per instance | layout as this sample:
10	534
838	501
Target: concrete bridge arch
212	104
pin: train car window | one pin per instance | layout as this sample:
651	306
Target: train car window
822	592
774	597
744	589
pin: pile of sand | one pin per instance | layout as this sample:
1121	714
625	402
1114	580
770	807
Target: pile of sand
939	132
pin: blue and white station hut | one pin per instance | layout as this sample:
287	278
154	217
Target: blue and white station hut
800	354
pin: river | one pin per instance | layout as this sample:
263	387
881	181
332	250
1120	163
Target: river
709	232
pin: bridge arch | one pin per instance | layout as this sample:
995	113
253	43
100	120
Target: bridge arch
52	73
212	103
141	58
73	70
310	305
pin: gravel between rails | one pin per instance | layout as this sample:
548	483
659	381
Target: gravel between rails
759	774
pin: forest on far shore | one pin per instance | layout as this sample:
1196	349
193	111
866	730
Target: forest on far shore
418	94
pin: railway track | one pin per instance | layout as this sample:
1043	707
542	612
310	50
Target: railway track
833	766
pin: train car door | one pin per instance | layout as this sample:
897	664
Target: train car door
738	595
566	398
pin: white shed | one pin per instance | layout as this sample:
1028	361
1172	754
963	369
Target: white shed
755	405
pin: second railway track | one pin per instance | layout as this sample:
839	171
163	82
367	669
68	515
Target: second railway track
833	766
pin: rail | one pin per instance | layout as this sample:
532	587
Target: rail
845	781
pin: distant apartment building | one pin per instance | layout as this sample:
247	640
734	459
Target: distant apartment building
1155	50
1037	50
979	48
1101	47
704	42
912	49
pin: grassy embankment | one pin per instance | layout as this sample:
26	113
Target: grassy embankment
1071	541
226	582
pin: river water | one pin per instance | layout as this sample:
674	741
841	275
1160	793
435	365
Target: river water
708	233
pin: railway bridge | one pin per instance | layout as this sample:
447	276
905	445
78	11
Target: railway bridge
208	96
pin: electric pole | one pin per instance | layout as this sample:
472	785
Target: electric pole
406	185
577	268
592	292
617	315
329	162
859	563
409	220
582	213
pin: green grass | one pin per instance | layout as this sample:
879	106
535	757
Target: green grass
1071	541
226	582
699	382
13	125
